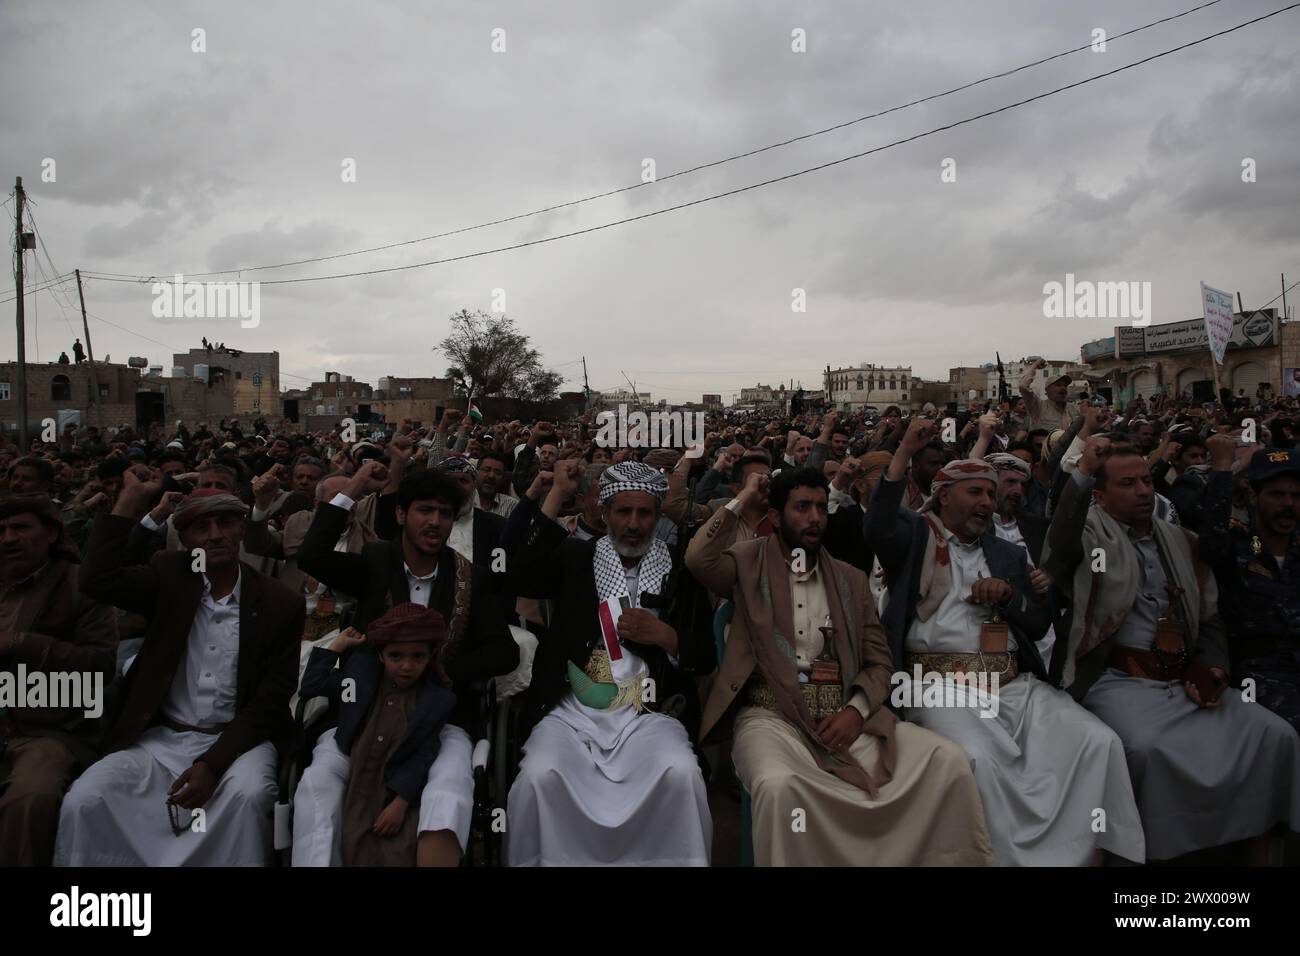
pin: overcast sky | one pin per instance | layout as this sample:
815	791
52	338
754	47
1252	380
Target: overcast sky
172	160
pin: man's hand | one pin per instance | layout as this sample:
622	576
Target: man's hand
1095	452
989	423
265	487
828	427
139	489
194	787
568	477
166	506
1195	695
1093	421
755	489
1041	581
1223	451
849	470
542	433
389	821
347	639
541	485
370	477
838	731
639	626
449	418
993	592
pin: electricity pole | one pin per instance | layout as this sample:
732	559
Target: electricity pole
90	352
24	444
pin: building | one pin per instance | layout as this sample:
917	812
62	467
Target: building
122	396
969	383
418	399
1174	358
765	398
623	396
340	395
712	403
866	385
254	376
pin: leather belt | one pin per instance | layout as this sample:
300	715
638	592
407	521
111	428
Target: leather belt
176	725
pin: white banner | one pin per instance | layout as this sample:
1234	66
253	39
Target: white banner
1218	319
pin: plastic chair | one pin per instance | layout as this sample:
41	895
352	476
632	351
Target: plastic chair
721	619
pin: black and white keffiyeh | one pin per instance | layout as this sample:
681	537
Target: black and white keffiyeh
456	463
632	476
611	577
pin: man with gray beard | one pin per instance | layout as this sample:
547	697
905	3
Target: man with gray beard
609	774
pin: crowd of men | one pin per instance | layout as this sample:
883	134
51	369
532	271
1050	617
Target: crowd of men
1037	632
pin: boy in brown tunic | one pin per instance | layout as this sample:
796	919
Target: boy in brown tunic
393	701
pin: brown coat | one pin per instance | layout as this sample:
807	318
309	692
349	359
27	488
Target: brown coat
58	629
733	571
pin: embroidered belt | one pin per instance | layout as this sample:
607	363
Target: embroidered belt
1002	663
822	700
595	686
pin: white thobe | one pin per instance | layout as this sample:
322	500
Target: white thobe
1044	765
600	787
1010	531
116	813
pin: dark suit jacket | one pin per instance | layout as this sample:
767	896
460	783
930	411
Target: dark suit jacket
551	564
168	593
898	537
377	576
407	769
1033	529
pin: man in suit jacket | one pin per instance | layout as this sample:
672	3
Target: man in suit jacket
419	566
48	627
1013	524
1042	762
189	776
607	776
882	793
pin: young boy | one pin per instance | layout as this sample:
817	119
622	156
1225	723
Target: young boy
360	805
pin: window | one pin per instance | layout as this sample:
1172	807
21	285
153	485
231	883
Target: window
103	391
60	389
4	391
238	376
859	383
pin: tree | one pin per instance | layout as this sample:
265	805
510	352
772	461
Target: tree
493	359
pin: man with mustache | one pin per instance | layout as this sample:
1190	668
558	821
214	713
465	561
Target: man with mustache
47	625
805	677
1147	653
205	705
418	566
608	776
961	601
1257	567
1012	523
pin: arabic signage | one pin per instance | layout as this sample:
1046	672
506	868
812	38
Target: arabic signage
1255	330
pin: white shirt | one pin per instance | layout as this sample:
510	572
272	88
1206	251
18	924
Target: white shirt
420	588
461	539
955	626
203	690
1009	530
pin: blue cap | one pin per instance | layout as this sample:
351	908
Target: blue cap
1269	463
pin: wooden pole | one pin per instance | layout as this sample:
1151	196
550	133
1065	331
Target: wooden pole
90	352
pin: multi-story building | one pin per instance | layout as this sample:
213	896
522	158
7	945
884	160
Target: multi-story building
254	377
856	387
418	399
340	395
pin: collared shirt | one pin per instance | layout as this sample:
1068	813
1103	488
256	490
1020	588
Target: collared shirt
204	687
1152	601
420	587
501	505
812	612
1009	530
955	626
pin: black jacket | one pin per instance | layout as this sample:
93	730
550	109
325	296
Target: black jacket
407	768
377	576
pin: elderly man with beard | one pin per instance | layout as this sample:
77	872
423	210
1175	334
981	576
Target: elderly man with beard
608	776
805	677
961	602
205	705
1146	652
1257	567
1012	523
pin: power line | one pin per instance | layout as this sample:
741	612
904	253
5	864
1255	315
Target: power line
777	179
35	287
684	172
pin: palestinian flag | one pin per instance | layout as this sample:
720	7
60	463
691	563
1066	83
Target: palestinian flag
474	414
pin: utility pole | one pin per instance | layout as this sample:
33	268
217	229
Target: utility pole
1284	315
21	378
90	352
586	389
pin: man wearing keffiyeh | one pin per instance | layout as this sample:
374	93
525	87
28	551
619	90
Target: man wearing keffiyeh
1042	763
607	774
